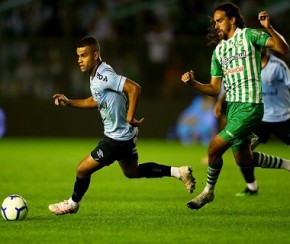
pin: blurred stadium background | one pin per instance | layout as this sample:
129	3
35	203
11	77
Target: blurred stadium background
152	42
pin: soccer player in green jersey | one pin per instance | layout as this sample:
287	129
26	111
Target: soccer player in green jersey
237	61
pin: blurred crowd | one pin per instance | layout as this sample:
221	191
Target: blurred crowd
151	42
191	127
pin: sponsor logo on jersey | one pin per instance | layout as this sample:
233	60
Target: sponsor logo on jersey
234	70
226	60
102	77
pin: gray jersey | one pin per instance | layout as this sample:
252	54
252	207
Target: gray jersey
106	88
276	84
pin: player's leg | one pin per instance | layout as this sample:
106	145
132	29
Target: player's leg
102	155
261	160
251	183
240	120
244	154
216	149
264	160
128	161
282	131
263	132
132	169
84	170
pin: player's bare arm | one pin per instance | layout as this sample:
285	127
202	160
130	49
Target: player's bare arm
61	99
277	42
212	89
218	106
133	91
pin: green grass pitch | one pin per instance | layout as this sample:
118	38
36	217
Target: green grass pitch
120	210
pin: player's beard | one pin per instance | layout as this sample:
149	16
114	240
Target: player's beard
83	68
221	35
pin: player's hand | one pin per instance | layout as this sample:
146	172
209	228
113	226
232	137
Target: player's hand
60	99
264	19
187	77
135	122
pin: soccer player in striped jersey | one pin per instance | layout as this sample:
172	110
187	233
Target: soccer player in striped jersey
275	76
236	61
116	98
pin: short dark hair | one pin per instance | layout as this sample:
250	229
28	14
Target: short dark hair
89	41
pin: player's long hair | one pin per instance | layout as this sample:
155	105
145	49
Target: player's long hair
231	11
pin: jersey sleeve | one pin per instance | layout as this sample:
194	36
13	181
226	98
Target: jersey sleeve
286	73
112	80
257	37
216	68
117	82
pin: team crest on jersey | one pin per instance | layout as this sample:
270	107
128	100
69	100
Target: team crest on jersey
97	93
239	43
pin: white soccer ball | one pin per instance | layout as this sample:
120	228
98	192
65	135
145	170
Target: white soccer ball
14	207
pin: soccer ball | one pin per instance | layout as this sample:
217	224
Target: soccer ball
14	207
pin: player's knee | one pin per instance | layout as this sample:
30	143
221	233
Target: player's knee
131	172
245	160
81	172
213	156
245	163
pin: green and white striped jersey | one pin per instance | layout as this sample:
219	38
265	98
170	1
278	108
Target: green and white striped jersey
238	61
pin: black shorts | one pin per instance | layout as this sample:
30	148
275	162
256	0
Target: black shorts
110	150
280	129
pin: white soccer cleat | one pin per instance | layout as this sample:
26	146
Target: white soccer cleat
187	178
200	200
64	207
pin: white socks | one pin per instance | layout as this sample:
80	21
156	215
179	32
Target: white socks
286	164
72	203
253	186
175	172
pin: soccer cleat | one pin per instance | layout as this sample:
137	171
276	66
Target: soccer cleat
200	200
63	208
247	192
187	178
